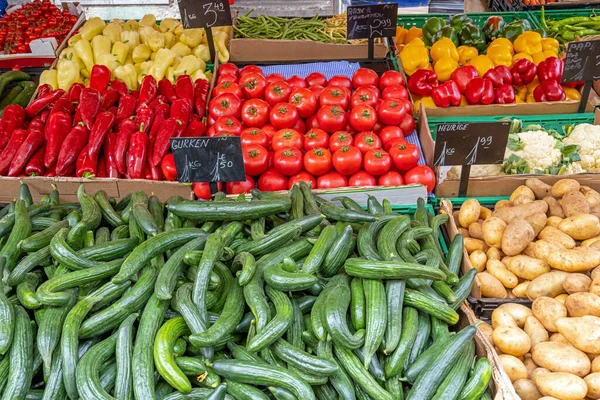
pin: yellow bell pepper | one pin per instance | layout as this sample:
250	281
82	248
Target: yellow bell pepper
220	40
131	25
504	42
202	52
155	41
401	33
168	25
444	67
209	75
550	44
179	30
413	33
416	42
427	101
522	55
109	60
571	93
100	45
192	37
542	55
519	100
148	20
67	73
130	38
170	40
164	59
414	57
73	39
187	66
120	51
444	48
482	64
129	60
70	54
532	85
530	99
113	32
49	77
463	101
141	53
199	75
83	49
181	50
92	27
529	42
499	55
127	74
521	92
145	67
466	54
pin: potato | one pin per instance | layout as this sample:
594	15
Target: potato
581	304
553	221
487	331
563	186
560	357
562	385
519	312
593	384
485	213
549	285
464	232
503	317
538	187
574	203
517	235
575	283
521	199
581	332
529	250
496	268
536	331
554	208
548	398
589	242
522	191
537	221
580	227
512	340
557	337
561	297
526	389
493	229
591	196
596	364
478	260
575	260
539	371
521	211
469	212
514	368
594	245
547	311
474	244
520	291
556	235
494	253
490	286
527	267
475	230
502	204
544	247
529	364
594	273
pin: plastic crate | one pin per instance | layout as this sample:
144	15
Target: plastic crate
558	14
483	308
410	20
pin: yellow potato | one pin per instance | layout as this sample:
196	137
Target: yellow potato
529	250
537	372
554	221
560	357
494	253
496	268
557	337
527	267
519	312
474	244
538	187
490	286
548	398
581	332
526	389
535	330
522	191
550	285
554	208
596	364
521	211
591	196
594	273
478	260
563	186
593	383
556	235
561	297
544	247
503	317
562	385
514	368
537	221
575	260
547	311
521	199
512	340
581	304
529	364
469	212
594	245
574	203
575	283
580	227
485	213
589	242
520	291
464	232
502	204
493	229
475	230
487	331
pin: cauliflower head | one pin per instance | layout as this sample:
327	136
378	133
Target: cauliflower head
532	150
587	138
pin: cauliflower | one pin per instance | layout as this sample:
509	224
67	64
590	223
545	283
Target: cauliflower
477	170
532	150
587	137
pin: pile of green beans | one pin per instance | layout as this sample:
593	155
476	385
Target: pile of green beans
569	29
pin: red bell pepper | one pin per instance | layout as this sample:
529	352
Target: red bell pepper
195	128
34	140
86	165
551	69
422	82
464	75
181	110
158	100
124	132
168	167
480	91
103	125
35	166
110	97
101	167
126	107
136	155
446	94
113	110
499	76
145	116
161	113
74	93
56	130
523	72
168	129
110	144
39	104
62	105
200	96
148	91
9	152
184	88
44	90
100	77
13	118
74	143
89	106
119	86
505	94
167	89
549	91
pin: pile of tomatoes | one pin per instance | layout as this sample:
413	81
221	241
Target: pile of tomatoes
34	20
330	133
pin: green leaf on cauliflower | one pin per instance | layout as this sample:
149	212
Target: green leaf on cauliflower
515	165
533	127
567	129
516	126
514	142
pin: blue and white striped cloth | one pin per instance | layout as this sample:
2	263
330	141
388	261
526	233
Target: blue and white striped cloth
329	69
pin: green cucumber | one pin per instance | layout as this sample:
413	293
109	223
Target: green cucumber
366	241
478	380
316	257
65	255
91	215
431	306
241	391
26	291
120	232
89	368
394	290
7	316
244	265
41	239
423	333
257	228
297	209
163	354
54	388
390	270
294	333
335	213
188	310
376	317
317	314
302	360
21	358
357	304
335	309
394	364
228	211
455	254
348	203
102	235
139	210
278	325
108	251
353	366
20	231
463	288
157	210
388	237
451	386
28	263
25	194
277	277
212	252
123	351
108	213
272	241
373	205
338	252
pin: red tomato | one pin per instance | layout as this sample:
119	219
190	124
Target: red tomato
340	139
316	138
398	92
240	187
253	137
302	177
340	80
255	113
394	142
390	132
362	178
391	178
256	160
202	189
421	174
317	161
312	122
389	78
305	101
249	69
210	132
167	166
227	87
377	162
332	118
331	180
228	68
367	140
408	124
363	118
288	161
227	104
405	156
336	96
316	79
271	181
228	125
253	85
347	160
270	131
363	77
300	126
391	112
274	78
277	92
317	90
283	115
285	138
363	95
227	78
296	82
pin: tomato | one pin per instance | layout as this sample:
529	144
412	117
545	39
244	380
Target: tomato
347	160
340	80
228	125
316	79
253	137
228	68
167	166
317	161
270	131
389	78
390	132
362	178
277	92
405	156
255	160
332	118
255	113
299	126
340	139
210	132
240	187
408	124
391	178
317	90
331	180
363	118
391	112
202	189
363	77
288	161
296	82
227	78
227	104
394	142
377	162
316	138
249	69
227	87
421	174
285	138
334	96
253	85
302	177
363	95
271	181
312	122
305	101
397	92
274	78
283	115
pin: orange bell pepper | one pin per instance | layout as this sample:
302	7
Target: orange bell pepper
413	33
400	35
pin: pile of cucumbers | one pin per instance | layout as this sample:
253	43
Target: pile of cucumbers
16	87
284	297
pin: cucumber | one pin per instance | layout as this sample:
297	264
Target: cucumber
277	277
123	351
423	333
357	304
65	255
359	374
335	309
28	263
120	232
157	210
272	241
439	330
302	360
163	354
335	213
394	364
434	308
41	239
25	194
373	205
21	358
423	360
7	316
317	313
453	383
229	211
109	251
366	243
139	210
185	305
241	391
218	394
277	326
91	215
212	252
88	369
390	270
455	254
108	213
20	231
394	290
463	288
54	389
247	267
26	292
297	209
102	235
478	380
388	237
337	253
376	318
317	255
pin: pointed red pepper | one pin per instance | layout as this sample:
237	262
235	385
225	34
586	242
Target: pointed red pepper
551	69
100	77
101	167
181	110
86	165
136	155
126	107
74	143
148	90
124	132
167	89
158	100
13	118
153	173
110	144
90	105
446	95
62	105
184	88
422	82
145	116
35	166
549	91
16	139
39	104
464	75
135	93
499	76
200	96
119	86
161	113
480	91
168	129
195	128
523	72
34	140
104	123
56	130
74	93
505	94
110	97
44	90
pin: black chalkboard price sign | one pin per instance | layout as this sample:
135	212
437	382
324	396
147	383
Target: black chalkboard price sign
209	159
582	63
370	22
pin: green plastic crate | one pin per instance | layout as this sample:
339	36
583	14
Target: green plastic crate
458	201
410	20
558	14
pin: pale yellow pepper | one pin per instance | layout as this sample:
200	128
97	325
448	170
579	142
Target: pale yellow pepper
522	55
73	39
220	40
92	27
129	60
145	67
83	49
199	75
202	52
70	54
141	53
499	55
482	64
130	38
164	59
67	73
503	42
168	25
550	44
144	32
170	39
148	20
529	42
131	25
170	75
572	93
49	77
414	57
120	51
127	74
444	67
541	56
466	54
113	32
192	37
444	48
100	45
187	66
181	50
109	60
155	41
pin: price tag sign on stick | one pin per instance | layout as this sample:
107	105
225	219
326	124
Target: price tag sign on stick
582	64
205	14
370	22
467	144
